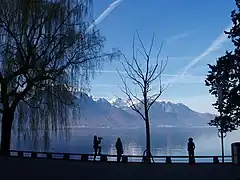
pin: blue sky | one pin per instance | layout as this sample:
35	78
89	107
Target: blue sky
192	32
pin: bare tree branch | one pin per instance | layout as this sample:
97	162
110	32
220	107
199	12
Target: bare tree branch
151	46
127	92
138	69
142	46
143	79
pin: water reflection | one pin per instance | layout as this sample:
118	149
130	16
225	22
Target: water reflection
165	141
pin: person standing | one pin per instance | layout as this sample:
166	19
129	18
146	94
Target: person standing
119	148
96	146
191	148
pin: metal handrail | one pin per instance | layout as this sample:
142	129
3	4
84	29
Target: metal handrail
111	155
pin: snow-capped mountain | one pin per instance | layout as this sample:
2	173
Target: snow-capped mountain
177	114
119	103
100	113
117	113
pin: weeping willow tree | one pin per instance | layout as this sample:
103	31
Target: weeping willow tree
46	53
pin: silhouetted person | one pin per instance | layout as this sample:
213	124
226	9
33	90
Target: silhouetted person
191	148
96	146
119	148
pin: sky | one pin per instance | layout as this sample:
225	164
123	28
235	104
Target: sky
192	36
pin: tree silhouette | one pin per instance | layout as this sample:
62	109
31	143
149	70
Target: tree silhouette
144	77
225	74
223	80
45	54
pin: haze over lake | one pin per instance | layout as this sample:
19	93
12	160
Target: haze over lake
165	141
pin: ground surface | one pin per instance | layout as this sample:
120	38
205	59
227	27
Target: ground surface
30	169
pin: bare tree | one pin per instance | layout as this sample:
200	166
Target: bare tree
144	74
45	50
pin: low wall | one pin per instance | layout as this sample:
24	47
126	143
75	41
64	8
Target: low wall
59	169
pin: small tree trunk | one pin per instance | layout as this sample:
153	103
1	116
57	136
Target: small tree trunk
147	123
148	142
7	120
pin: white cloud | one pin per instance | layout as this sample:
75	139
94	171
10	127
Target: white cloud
104	85
164	75
105	13
179	58
112	71
177	37
217	44
185	79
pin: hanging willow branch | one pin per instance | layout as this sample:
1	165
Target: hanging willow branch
45	50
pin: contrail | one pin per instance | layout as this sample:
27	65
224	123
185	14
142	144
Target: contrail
214	47
105	13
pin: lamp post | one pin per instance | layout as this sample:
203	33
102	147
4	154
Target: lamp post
221	132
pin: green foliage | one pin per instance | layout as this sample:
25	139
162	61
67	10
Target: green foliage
226	73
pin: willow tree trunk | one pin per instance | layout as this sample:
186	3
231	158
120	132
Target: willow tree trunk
7	120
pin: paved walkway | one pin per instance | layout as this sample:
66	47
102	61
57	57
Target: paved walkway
30	169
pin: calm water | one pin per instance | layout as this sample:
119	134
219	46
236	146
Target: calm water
165	141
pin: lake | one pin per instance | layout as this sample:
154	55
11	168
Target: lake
164	140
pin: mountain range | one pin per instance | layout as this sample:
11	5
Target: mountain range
117	114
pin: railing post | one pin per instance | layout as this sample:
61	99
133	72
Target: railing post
103	158
20	154
5	154
49	156
84	157
33	155
168	160
215	160
66	157
124	159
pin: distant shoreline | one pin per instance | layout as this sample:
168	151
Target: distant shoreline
159	126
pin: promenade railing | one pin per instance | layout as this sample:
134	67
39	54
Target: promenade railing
113	158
